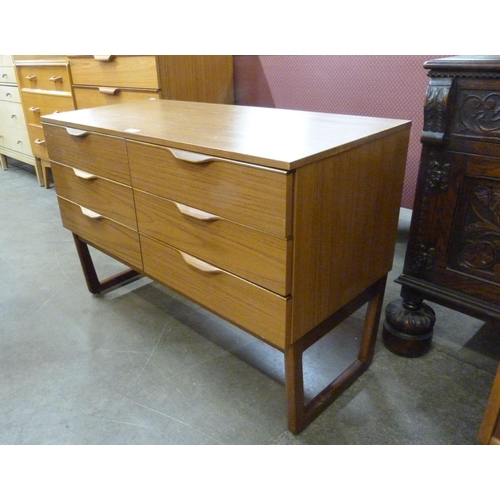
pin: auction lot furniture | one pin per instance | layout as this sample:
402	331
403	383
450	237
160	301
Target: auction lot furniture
14	140
453	252
50	84
282	222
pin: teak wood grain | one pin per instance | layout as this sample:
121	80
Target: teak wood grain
280	138
111	199
238	300
119	71
94	153
261	200
254	255
281	222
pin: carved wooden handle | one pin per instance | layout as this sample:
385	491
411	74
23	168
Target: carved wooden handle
34	109
39	141
76	132
195	213
55	78
31	78
190	157
90	213
200	264
84	175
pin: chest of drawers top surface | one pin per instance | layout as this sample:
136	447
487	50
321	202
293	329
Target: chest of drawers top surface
271	137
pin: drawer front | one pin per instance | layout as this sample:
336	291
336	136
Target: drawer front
11	115
15	116
248	306
256	256
36	105
10	94
112	200
37	141
93	97
119	241
53	77
119	71
15	139
97	154
257	197
7	74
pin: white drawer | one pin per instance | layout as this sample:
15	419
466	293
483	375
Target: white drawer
7	74
14	139
11	115
9	93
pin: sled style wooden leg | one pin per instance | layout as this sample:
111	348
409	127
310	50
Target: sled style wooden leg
95	285
300	414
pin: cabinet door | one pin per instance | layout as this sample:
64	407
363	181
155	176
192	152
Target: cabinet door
475	238
458	245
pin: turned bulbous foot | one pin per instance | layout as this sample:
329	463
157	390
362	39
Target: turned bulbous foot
408	328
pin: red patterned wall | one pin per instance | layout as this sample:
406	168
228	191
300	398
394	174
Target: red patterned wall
387	86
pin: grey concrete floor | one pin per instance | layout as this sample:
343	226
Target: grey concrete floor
141	365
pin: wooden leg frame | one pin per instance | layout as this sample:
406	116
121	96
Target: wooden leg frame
95	285
300	414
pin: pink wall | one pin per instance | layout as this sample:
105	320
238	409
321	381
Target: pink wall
385	86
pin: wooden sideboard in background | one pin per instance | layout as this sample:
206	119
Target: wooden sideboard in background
101	80
50	84
45	88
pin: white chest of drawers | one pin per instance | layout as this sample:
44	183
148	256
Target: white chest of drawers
14	140
282	222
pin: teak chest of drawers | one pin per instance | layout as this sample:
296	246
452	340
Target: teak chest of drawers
282	222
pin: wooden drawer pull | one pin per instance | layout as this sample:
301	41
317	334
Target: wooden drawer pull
31	78
200	264
55	78
84	175
195	213
103	58
34	109
39	141
76	132
109	90
90	213
190	157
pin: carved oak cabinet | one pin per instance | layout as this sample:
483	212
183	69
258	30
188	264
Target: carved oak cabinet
453	253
